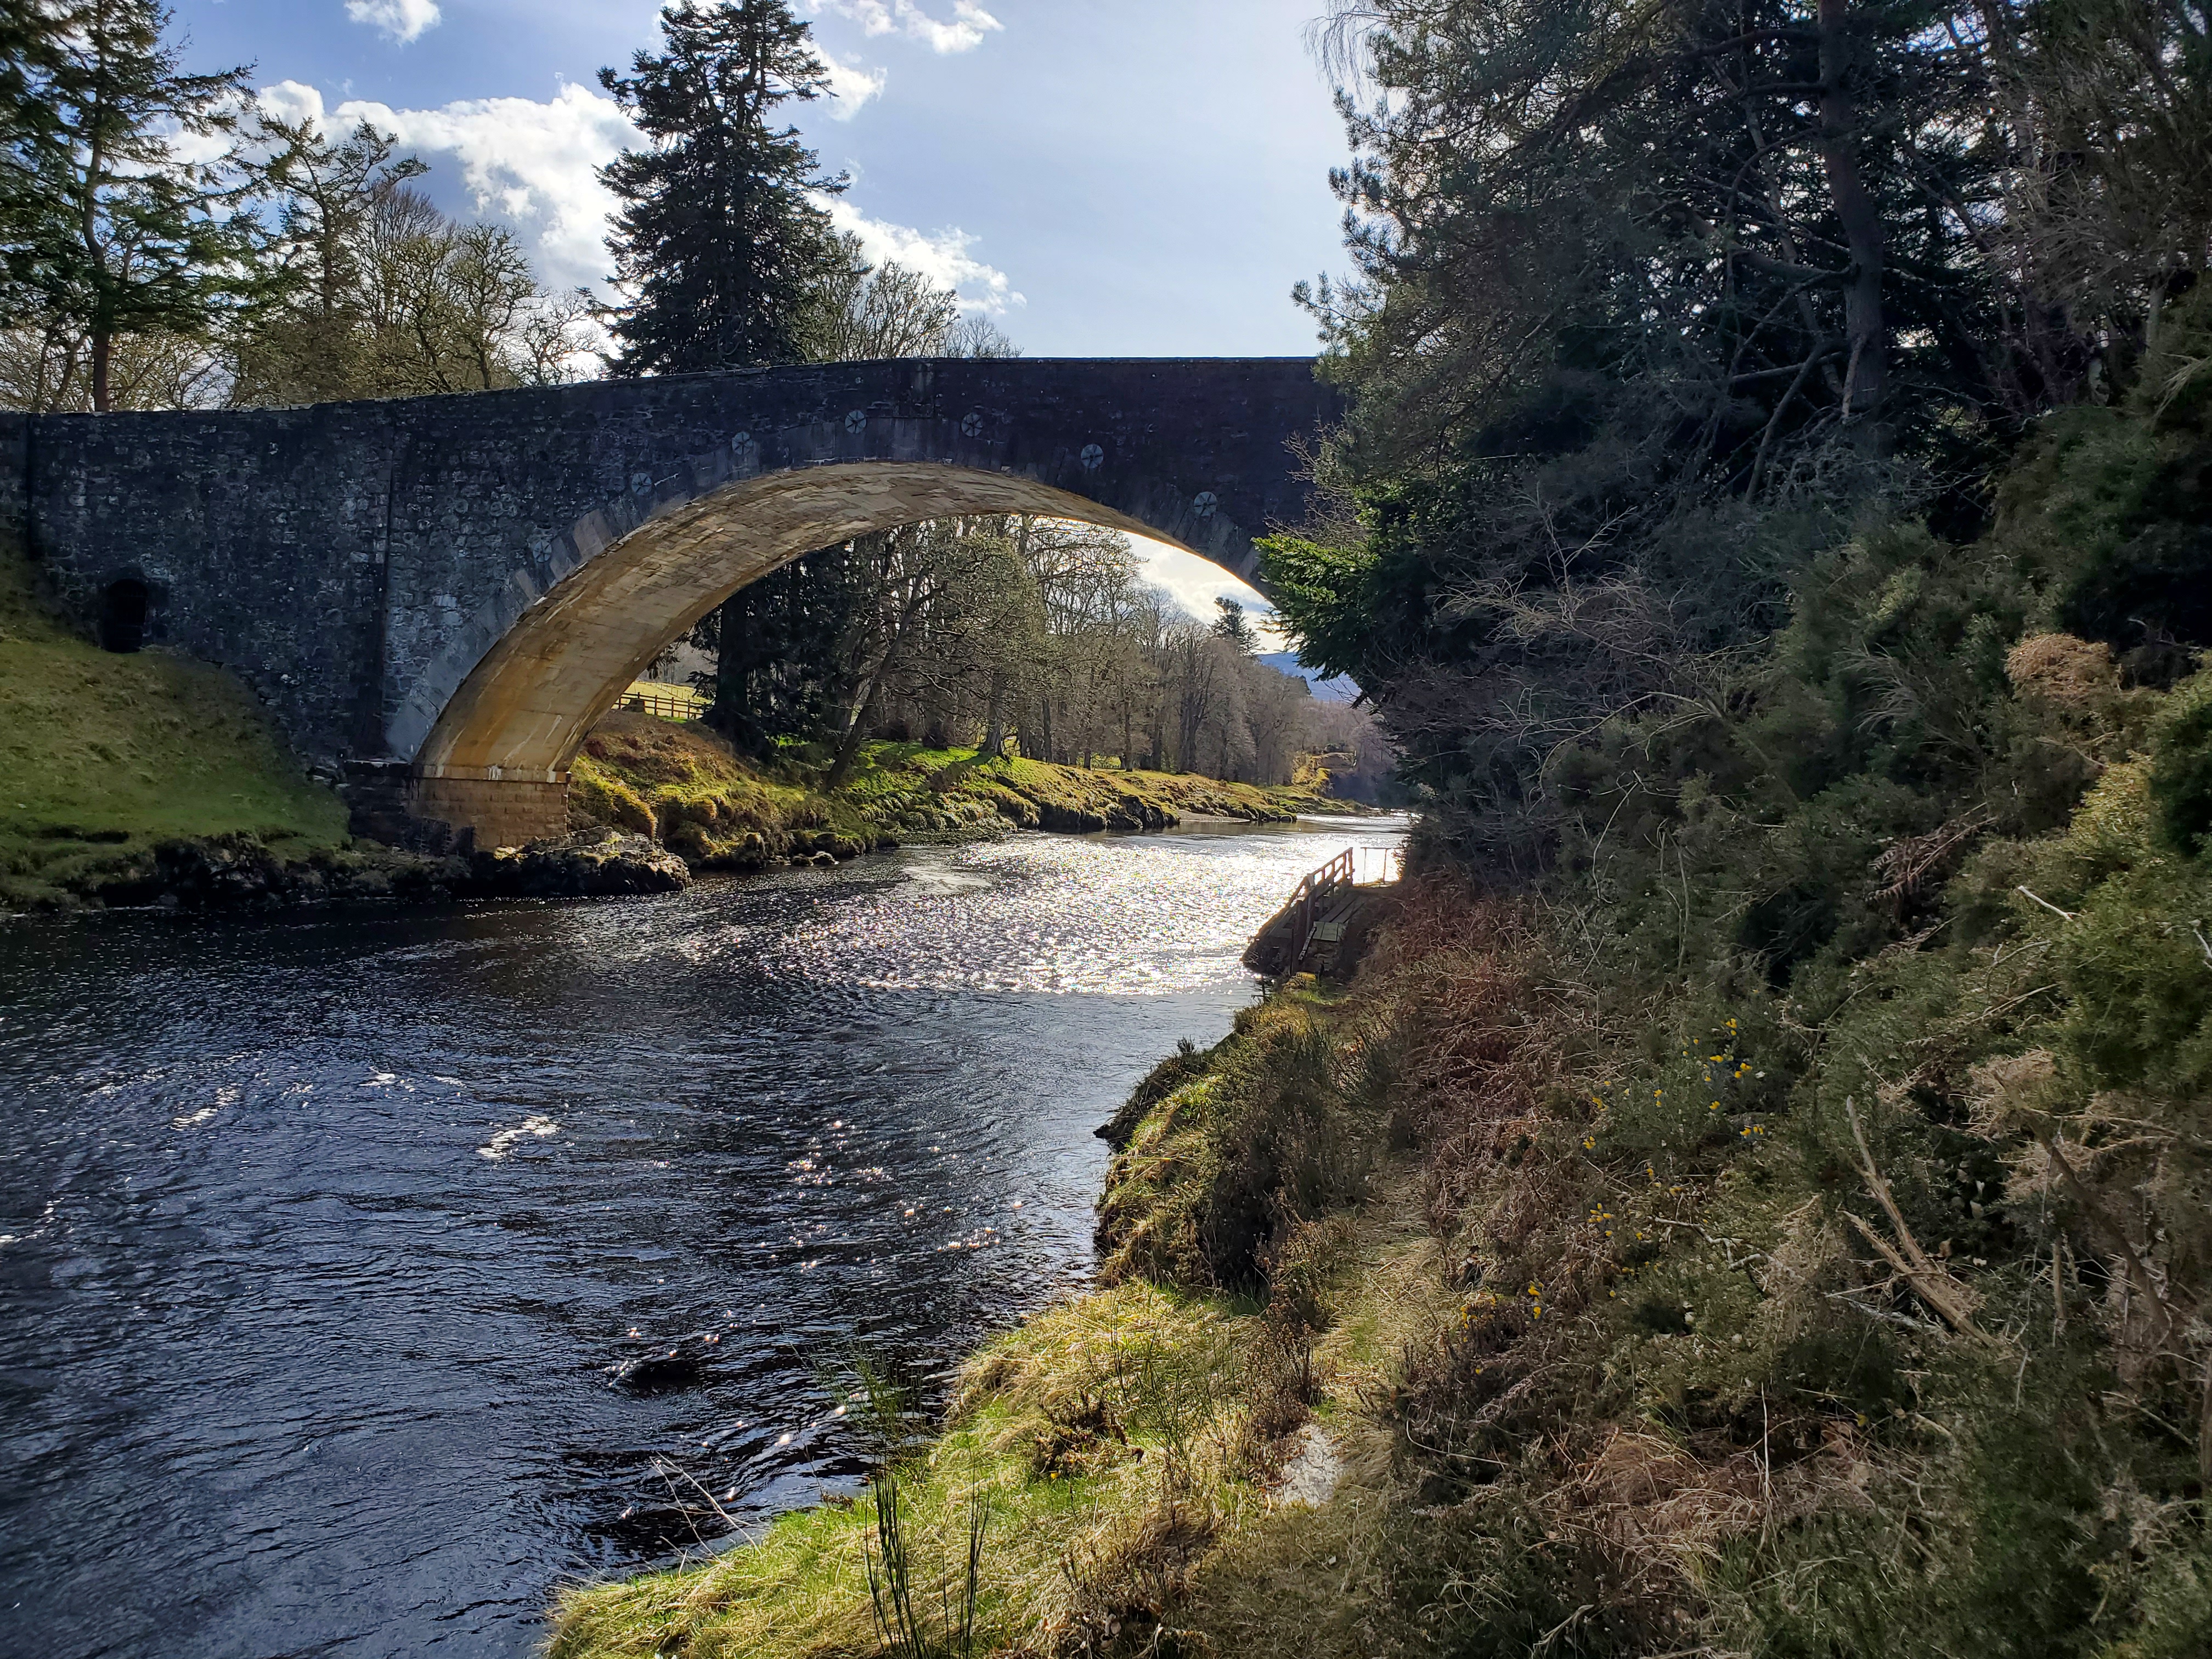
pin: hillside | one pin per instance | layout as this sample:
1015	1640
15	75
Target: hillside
106	756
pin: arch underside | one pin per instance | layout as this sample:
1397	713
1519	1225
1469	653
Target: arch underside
524	709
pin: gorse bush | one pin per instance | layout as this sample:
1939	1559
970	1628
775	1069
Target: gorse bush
2180	779
1808	992
1230	1150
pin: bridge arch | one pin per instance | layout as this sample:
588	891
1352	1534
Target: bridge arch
496	753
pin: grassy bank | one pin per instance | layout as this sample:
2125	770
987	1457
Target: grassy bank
679	782
1124	1450
105	757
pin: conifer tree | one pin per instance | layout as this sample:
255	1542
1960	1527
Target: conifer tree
1230	623
719	244
109	232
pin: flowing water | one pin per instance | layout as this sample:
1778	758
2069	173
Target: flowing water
342	1255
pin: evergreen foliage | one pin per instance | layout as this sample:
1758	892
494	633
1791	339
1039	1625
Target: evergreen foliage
110	235
1230	623
1659	308
1819	761
720	245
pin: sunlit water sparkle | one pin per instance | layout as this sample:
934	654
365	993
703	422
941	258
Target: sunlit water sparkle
322	1235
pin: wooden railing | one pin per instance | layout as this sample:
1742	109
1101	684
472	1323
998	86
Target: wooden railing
1320	910
1312	895
672	707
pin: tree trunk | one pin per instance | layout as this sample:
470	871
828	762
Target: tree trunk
731	714
856	735
1866	379
103	351
994	720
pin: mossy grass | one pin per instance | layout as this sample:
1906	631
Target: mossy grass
1126	1442
102	757
1105	1438
679	781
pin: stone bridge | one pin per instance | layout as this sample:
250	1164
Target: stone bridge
436	596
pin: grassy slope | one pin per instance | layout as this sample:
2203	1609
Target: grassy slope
1124	1441
679	781
102	755
1128	1441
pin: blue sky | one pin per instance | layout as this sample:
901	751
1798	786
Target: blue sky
1112	177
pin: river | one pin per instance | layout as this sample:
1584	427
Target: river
332	1244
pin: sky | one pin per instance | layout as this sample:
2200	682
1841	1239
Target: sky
1100	177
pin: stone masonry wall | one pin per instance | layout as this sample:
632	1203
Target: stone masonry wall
351	560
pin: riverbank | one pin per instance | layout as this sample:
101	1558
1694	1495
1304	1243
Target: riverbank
681	785
1186	1451
145	779
1513	1298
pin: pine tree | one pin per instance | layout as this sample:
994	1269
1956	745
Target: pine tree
110	234
720	243
1230	623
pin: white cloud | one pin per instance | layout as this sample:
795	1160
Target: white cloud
403	19
535	166
969	24
293	101
1196	583
851	86
942	257
530	165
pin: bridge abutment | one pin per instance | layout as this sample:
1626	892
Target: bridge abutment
502	812
395	803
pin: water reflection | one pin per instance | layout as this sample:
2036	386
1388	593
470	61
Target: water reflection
363	1277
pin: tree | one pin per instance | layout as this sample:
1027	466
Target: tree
932	606
113	234
312	346
383	294
1655	302
1230	623
858	312
29	49
2108	209
863	312
719	245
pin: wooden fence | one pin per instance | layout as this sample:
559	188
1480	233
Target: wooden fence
671	705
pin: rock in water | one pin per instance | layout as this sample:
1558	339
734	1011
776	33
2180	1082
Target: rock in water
599	864
661	1373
